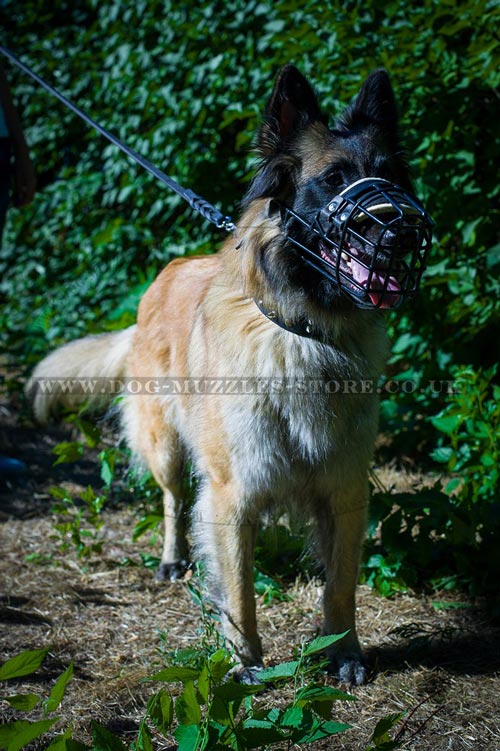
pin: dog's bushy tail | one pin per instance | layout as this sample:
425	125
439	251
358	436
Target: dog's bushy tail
84	371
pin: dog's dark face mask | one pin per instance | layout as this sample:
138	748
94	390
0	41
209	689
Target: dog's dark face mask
354	234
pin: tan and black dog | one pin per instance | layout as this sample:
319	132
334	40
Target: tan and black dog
258	312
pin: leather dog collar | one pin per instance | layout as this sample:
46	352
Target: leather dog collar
302	327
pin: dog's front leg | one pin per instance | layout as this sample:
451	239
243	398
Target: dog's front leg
341	534
226	535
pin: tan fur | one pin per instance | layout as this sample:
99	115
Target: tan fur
317	150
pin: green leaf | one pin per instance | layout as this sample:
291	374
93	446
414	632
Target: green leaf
150	561
57	693
442	455
231	690
68	452
187	708
320	692
488	461
106	472
219	664
256	733
161	711
384	725
65	742
279	672
89	429
274	26
325	730
292	717
8	733
151	521
203	684
322	642
267	587
437	605
453	485
16	735
187	737
322	707
104	740
447	423
144	740
23	702
24	663
221	711
72	745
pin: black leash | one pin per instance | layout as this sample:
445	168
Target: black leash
207	210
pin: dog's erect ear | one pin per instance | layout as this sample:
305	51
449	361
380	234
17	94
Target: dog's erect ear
292	105
375	104
376	99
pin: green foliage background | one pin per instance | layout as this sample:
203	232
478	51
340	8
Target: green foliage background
184	84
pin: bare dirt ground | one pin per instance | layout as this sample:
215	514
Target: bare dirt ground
440	665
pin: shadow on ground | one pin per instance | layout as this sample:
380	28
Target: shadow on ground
470	647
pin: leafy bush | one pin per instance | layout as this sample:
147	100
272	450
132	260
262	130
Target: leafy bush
212	711
447	534
100	227
470	454
16	734
470	449
79	523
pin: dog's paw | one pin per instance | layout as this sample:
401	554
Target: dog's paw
172	571
349	669
249	675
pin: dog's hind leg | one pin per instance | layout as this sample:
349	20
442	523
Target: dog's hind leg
225	536
167	471
157	443
341	532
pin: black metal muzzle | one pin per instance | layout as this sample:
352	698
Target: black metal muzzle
372	240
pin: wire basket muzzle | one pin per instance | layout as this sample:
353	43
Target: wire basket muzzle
374	239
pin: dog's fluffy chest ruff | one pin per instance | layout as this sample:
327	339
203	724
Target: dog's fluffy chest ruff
299	406
276	441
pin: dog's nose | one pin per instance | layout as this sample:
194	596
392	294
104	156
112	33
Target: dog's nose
388	238
407	239
403	240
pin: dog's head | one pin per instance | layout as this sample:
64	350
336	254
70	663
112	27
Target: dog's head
350	231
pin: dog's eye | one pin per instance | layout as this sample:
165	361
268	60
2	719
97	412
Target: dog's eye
333	178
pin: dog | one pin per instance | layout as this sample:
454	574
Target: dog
295	312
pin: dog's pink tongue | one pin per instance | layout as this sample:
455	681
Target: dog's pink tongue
377	294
